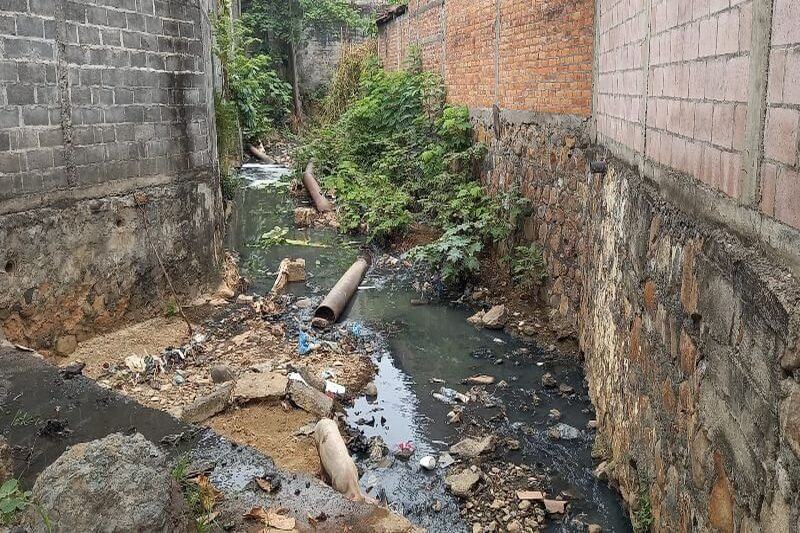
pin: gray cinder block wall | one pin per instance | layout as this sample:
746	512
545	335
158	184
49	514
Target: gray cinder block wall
107	153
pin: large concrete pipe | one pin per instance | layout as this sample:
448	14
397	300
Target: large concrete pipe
334	303
259	154
320	202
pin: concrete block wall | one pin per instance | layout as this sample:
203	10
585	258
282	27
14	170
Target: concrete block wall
101	99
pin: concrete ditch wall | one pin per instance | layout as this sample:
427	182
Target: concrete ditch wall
678	268
107	150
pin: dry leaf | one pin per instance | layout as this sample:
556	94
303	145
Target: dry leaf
278	520
209	495
257	513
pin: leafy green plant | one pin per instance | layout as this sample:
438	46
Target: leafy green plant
528	267
397	155
643	514
261	97
23	418
12	501
276	235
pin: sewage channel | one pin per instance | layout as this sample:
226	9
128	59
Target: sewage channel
425	346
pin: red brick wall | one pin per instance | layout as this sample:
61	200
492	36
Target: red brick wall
531	55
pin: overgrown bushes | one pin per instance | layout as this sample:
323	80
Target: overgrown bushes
398	154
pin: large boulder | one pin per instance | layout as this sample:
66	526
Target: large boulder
118	483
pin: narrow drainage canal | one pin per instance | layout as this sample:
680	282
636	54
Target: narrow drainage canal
424	345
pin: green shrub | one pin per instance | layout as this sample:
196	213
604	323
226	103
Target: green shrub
528	267
398	154
12	501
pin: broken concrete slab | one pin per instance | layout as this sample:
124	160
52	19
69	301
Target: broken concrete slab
477	318
495	318
463	483
555	506
309	399
209	405
118	483
471	448
260	387
530	495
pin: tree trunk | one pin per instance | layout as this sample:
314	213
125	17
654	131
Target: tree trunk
298	104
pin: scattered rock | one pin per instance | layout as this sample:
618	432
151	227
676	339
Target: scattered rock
565	389
495	318
555	506
594	528
476	319
6	467
564	432
209	405
72	370
304	216
222	374
445	460
591	424
304	303
471	448
549	381
119	483
260	387
66	344
555	414
514	526
480	380
461	484
602	471
310	399
370	389
513	444
530	495
524	505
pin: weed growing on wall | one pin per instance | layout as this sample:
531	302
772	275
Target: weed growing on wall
397	155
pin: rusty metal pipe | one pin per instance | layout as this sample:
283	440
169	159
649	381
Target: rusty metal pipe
259	154
334	303
320	202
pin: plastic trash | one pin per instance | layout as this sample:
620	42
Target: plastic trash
453	396
296	377
305	343
136	363
428	462
334	388
405	450
446	460
356	329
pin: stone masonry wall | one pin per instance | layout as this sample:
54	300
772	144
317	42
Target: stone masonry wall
679	266
106	120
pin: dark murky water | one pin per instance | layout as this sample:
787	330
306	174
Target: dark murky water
433	342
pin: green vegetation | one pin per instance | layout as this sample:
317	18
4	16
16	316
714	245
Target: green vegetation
528	267
290	22
199	504
397	155
13	500
643	515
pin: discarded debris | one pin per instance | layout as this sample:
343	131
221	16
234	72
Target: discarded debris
209	405
564	432
289	271
310	183
305	343
309	399
370	389
428	462
531	495
336	461
305	216
334	303
549	381
461	484
555	506
260	387
450	396
471	448
480	380
405	450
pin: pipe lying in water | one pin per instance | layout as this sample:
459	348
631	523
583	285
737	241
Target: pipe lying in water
259	154
320	202
334	303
